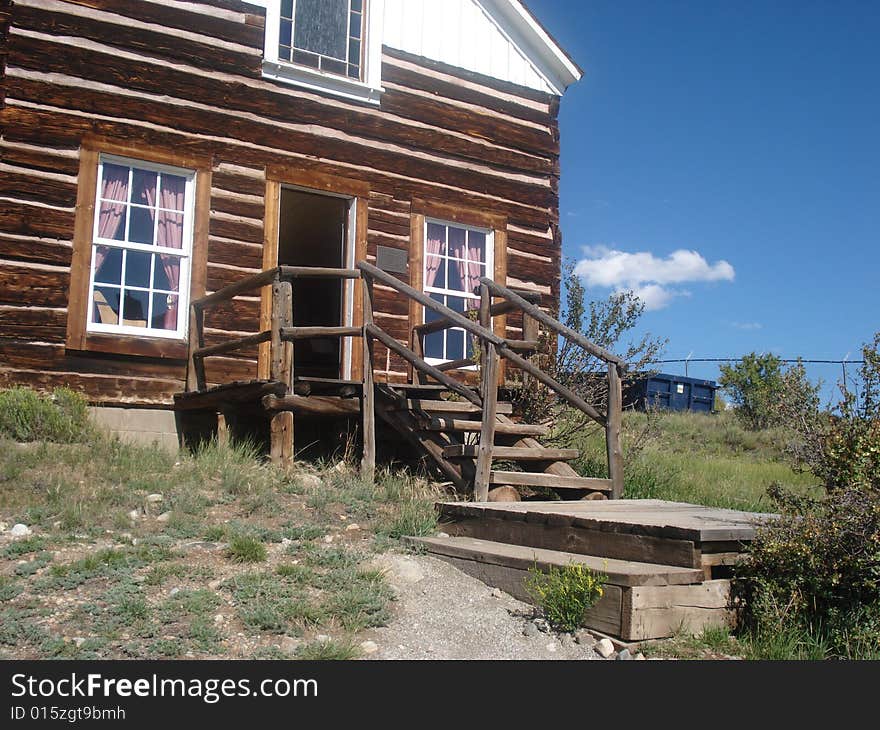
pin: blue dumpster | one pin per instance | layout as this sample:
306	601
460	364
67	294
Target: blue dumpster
672	392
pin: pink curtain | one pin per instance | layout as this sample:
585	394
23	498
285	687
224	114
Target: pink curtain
468	271
170	235
432	260
111	215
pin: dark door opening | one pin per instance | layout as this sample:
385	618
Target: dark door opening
313	230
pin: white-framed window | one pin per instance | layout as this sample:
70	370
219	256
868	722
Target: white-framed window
325	45
141	249
455	257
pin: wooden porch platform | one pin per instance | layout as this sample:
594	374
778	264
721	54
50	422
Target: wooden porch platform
666	563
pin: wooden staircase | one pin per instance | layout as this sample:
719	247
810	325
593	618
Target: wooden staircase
471	437
448	431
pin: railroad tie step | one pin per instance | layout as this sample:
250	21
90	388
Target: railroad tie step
512	453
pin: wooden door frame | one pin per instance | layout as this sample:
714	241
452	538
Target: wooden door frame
278	176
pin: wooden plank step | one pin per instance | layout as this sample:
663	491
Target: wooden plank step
513	453
553	481
217	397
460	424
617	572
447	406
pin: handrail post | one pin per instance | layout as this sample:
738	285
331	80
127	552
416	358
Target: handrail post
281	369
612	431
368	398
195	370
530	332
489	388
418	347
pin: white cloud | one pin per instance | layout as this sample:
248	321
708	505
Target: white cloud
648	276
747	325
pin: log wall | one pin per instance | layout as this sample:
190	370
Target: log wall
186	76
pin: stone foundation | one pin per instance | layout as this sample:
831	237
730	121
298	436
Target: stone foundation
143	426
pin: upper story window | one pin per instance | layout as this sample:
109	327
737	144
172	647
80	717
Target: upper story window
323	34
326	45
141	248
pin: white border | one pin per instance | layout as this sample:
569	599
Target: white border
184	252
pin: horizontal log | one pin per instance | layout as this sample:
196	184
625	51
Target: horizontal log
149	42
238	343
553	481
28	219
317	272
234	253
98	390
513	453
248	284
41	158
303	333
38	250
35	185
33	287
505	429
467	362
242	229
182	19
313	405
522	345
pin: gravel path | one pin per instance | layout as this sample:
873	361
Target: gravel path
442	613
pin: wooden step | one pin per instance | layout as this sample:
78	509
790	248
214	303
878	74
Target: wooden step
617	572
553	481
448	406
460	424
511	453
639	601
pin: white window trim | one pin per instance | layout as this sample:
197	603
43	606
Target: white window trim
489	268
368	90
184	252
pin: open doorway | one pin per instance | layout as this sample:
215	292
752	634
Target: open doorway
313	230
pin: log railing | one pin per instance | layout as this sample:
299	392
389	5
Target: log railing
493	347
281	335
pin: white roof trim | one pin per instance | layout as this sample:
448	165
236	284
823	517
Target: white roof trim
549	60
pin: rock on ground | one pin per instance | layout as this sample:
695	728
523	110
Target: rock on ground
442	613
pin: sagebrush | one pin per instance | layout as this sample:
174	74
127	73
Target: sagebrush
564	594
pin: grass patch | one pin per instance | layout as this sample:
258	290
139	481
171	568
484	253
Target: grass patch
61	417
246	549
23	547
329	650
9	588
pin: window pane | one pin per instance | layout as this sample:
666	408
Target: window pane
322	27
141	228
135	306
357	5
173	192
306	58
170	230
477	246
143	187
354	51
164	312
106	305
355	27
332	65
435	272
108	265
455	344
456	242
111	221
286	32
434	345
454	279
456	304
167	273
430	314
436	237
137	268
286	8
115	182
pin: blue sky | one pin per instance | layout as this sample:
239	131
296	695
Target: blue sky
746	137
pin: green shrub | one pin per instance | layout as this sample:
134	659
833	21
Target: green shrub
815	572
565	594
25	415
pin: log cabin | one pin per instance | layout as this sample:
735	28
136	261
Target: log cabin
294	206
